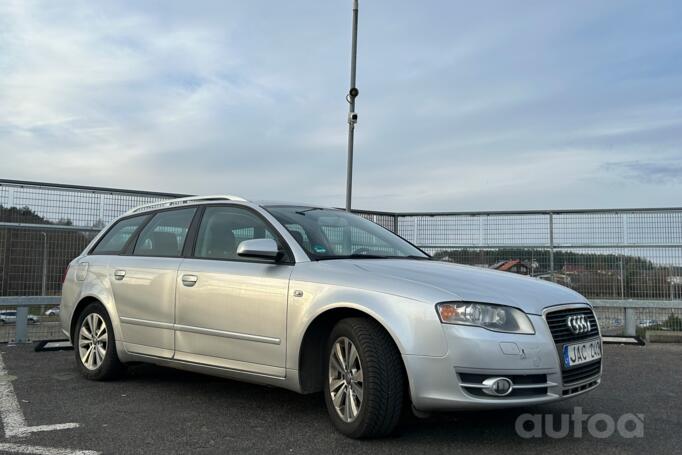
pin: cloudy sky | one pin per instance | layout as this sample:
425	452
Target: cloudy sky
463	105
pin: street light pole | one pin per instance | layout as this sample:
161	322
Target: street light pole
352	116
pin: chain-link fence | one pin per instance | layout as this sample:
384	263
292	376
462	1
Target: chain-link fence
630	258
42	228
616	258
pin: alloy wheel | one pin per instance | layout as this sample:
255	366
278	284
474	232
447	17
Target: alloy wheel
345	379
93	341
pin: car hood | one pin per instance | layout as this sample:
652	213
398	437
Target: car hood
428	280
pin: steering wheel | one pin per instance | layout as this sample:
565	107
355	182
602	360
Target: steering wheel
362	250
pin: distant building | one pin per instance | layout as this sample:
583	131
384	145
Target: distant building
559	278
513	266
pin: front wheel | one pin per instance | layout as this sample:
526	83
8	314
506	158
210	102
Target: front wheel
95	346
364	379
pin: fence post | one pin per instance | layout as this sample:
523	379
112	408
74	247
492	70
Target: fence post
101	209
551	245
622	278
414	234
4	285
21	334
480	231
630	323
395	224
43	287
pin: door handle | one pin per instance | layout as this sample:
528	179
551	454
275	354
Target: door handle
119	274
189	280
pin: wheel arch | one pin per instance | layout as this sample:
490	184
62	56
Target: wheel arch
78	309
311	351
113	316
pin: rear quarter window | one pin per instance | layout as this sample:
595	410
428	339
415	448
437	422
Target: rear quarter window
118	235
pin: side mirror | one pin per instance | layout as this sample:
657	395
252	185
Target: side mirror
258	248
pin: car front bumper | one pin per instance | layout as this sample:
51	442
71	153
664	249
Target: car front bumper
452	381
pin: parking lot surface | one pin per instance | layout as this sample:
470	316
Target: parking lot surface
158	410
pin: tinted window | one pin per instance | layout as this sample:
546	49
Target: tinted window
224	228
165	234
298	233
114	240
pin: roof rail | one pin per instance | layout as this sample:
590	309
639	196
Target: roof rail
183	201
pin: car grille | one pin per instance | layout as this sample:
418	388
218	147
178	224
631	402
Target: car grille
579	388
556	320
581	372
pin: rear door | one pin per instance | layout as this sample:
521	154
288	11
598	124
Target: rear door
231	311
143	283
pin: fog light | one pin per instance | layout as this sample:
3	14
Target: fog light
498	387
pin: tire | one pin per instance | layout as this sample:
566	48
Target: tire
381	375
102	363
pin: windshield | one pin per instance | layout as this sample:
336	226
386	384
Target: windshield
335	234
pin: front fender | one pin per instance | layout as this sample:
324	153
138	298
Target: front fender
413	324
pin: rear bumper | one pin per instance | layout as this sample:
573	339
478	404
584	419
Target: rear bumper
452	382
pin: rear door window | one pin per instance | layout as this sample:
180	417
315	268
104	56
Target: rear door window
165	234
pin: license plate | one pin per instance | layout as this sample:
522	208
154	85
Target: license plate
576	354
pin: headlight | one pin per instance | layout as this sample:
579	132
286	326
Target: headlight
493	317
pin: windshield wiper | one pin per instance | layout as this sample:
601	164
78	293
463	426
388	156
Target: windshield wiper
412	256
353	256
374	256
303	212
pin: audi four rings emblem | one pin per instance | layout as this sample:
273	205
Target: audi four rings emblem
578	324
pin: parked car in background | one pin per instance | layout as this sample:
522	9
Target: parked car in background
52	311
648	323
314	299
10	317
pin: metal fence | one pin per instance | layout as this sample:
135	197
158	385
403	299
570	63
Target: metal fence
43	227
627	262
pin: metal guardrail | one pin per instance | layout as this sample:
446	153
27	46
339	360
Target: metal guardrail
618	258
26	325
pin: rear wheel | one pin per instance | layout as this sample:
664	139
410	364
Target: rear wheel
95	346
364	379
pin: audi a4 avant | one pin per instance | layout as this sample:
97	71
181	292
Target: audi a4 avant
314	299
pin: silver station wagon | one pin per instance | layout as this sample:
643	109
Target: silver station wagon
315	299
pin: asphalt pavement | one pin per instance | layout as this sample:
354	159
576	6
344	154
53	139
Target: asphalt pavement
156	410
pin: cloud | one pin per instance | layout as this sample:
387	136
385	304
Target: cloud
496	105
656	173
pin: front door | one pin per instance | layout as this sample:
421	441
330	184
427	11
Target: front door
231	311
